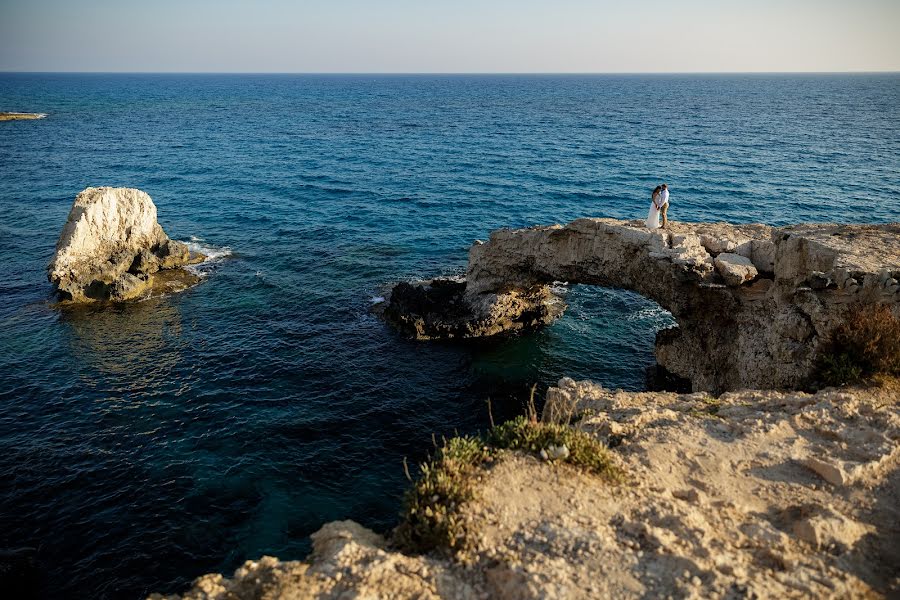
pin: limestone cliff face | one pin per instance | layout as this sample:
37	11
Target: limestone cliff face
752	302
111	245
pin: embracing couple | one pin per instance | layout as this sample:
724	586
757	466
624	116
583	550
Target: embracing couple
659	204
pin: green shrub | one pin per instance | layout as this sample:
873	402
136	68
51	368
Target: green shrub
840	369
431	516
867	345
585	450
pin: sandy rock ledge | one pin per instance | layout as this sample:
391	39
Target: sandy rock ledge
724	498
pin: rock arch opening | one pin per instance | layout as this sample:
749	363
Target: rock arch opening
607	335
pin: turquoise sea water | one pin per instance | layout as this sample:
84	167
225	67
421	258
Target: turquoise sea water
144	444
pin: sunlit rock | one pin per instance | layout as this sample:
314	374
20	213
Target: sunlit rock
111	246
753	303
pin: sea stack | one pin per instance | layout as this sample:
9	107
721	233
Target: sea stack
111	246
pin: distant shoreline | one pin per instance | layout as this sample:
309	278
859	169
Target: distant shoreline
467	73
17	116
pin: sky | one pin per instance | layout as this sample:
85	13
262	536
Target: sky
450	36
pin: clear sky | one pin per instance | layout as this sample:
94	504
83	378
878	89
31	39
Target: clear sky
435	36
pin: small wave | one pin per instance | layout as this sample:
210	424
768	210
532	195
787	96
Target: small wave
556	301
376	299
650	313
214	255
559	288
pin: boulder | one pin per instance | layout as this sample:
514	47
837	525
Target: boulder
735	269
438	309
827	528
110	247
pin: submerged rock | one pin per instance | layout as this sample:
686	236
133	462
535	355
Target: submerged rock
111	246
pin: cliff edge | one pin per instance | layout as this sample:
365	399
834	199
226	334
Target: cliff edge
755	494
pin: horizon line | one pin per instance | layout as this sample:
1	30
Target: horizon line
432	73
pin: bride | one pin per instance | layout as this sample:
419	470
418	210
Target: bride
653	216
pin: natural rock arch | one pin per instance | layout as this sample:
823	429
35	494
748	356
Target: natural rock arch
753	303
112	248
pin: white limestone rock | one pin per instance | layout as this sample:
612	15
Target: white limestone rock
762	253
111	245
735	269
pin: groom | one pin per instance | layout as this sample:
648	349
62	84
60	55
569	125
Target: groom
664	203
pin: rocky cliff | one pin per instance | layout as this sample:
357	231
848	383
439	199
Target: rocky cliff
111	246
755	494
753	303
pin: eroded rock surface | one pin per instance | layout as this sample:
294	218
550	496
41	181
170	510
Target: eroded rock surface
752	302
348	561
111	246
718	502
440	309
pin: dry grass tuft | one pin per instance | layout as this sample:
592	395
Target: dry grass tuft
432	518
866	346
584	450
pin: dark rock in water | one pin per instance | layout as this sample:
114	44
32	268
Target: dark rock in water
442	297
440	309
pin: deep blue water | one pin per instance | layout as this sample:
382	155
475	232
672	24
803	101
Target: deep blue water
142	445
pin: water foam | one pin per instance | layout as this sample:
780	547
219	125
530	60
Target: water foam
214	256
559	288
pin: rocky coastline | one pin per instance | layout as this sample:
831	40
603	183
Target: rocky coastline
755	493
112	249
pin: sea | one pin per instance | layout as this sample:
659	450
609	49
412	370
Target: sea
147	443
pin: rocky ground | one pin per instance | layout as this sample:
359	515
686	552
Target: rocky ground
755	494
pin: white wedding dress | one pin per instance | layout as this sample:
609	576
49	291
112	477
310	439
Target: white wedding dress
653	217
